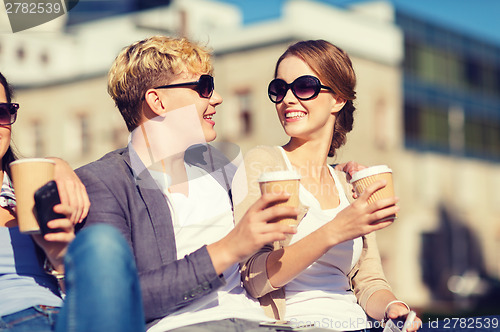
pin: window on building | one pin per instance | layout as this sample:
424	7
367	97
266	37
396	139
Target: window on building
410	59
37	143
412	123
21	54
492	136
473	73
497	79
426	126
495	140
482	135
434	127
245	108
441	66
119	137
85	136
444	71
454	70
427	64
44	58
382	132
456	120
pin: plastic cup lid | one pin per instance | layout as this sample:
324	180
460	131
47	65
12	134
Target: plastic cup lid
370	171
279	176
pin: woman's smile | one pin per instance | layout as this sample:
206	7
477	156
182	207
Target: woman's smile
294	115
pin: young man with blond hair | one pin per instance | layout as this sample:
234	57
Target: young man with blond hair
168	192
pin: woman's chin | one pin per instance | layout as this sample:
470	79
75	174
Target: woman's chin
210	136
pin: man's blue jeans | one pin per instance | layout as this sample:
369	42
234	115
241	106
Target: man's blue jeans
102	287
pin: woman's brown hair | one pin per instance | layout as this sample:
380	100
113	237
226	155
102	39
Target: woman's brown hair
9	155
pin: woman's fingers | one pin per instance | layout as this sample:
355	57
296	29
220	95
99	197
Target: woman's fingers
350	168
382	204
66	230
71	190
275	213
63	192
75	195
372	188
59	237
86	203
67	195
267	200
65	209
64	225
415	325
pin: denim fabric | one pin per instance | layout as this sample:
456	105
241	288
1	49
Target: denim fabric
37	318
102	285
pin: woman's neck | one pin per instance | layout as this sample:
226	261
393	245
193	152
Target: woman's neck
308	157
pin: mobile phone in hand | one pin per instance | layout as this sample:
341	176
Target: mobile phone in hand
46	197
282	326
400	325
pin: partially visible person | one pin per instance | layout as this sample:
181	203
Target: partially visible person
330	272
32	268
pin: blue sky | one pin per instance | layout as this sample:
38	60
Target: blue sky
477	18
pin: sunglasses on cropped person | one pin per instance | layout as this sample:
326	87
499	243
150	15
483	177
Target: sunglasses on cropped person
204	86
8	113
304	88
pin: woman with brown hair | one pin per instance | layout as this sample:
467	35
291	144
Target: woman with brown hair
330	272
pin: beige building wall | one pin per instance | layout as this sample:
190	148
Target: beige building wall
242	78
76	121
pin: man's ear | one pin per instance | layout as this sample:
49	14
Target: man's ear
337	106
155	104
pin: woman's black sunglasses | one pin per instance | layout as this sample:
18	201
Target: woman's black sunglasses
304	88
8	113
204	86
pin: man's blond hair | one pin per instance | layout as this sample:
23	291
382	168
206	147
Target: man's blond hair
148	63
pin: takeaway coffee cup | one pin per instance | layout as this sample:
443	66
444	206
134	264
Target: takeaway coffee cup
28	175
367	176
282	182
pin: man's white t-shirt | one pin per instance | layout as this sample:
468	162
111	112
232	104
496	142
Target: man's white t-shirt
204	217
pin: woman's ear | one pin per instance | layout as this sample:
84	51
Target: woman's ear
338	104
154	102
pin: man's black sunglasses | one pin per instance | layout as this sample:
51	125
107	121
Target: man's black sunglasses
8	113
204	86
304	88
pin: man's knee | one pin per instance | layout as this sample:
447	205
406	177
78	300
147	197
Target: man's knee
101	242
